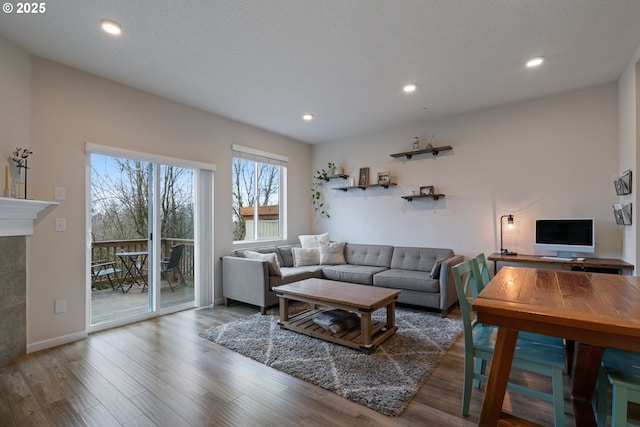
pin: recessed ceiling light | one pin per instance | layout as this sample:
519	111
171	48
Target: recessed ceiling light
111	27
534	62
308	117
410	88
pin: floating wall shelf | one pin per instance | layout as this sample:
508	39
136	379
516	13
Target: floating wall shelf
364	187
434	150
336	176
423	196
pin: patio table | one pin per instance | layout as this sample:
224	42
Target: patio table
133	263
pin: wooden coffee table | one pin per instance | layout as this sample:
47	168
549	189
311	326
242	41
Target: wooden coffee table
361	299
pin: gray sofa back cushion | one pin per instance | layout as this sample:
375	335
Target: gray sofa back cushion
287	255
374	255
417	259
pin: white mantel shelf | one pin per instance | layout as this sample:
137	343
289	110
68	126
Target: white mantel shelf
17	215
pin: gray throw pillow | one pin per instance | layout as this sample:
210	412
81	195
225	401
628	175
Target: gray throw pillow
272	259
435	271
332	253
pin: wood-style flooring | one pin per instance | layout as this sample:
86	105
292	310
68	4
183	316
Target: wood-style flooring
161	373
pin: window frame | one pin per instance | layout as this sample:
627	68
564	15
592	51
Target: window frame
263	157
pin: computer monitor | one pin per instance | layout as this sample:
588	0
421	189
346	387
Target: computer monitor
565	235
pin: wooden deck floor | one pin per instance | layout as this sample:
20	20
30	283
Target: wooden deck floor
108	305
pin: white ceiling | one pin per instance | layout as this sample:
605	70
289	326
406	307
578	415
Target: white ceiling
266	62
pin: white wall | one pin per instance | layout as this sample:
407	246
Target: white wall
629	120
71	107
549	157
15	102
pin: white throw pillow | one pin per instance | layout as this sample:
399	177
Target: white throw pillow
332	253
312	240
272	259
308	256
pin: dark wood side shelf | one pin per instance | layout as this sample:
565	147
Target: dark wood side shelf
434	150
423	196
589	263
364	187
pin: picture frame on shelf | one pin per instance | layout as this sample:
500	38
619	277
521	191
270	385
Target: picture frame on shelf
363	177
384	178
426	190
623	183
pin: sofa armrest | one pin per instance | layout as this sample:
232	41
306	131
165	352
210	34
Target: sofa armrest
448	294
246	280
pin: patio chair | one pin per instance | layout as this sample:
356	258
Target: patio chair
172	263
102	268
540	358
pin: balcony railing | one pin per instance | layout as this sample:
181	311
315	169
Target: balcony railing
107	251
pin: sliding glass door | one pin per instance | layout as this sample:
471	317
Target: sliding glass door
142	256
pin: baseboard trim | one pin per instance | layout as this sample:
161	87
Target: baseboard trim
54	342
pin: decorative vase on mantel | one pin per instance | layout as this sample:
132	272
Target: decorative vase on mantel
19	186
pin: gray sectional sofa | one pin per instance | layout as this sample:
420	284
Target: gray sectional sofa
423	275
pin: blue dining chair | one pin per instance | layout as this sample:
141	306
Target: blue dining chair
479	340
483	270
486	275
620	371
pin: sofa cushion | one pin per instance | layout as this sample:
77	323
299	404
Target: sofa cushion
289	277
287	255
313	240
315	270
293	274
372	255
362	274
305	256
271	258
332	253
406	279
417	259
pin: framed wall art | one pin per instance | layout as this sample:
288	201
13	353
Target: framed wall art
622	214
427	190
384	178
363	177
623	183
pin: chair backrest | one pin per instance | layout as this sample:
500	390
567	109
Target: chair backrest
484	276
465	277
174	257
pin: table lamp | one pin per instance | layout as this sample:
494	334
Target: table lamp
503	250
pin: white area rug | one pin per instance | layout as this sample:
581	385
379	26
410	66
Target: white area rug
385	380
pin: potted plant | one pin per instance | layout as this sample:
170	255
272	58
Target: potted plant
316	195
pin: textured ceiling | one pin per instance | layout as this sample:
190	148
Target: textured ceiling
267	62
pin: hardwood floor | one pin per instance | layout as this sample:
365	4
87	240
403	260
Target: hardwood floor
161	373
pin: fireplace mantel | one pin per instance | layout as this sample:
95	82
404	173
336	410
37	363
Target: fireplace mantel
17	215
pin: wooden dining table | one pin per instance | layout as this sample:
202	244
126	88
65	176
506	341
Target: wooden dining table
596	310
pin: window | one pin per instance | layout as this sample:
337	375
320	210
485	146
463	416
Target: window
258	187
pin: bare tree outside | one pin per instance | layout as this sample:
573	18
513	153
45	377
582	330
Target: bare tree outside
254	184
120	200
